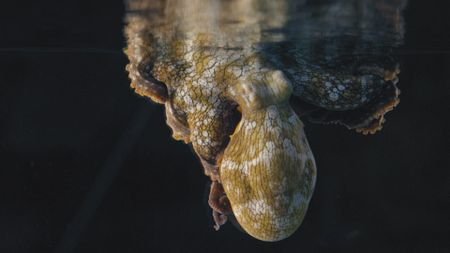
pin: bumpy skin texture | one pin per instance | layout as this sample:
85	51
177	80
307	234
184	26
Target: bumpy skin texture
231	74
270	182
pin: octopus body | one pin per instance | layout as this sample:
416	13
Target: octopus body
234	77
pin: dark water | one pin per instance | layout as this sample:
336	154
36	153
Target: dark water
88	166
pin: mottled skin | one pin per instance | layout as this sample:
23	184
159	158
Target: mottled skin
232	74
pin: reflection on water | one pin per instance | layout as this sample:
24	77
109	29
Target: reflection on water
249	69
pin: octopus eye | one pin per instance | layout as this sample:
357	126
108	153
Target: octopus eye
146	84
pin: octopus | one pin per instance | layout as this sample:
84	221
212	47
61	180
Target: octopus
236	76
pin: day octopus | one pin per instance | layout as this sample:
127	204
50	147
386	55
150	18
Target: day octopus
234	77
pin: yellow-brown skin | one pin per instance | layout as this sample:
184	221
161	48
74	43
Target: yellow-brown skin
266	168
201	59
269	182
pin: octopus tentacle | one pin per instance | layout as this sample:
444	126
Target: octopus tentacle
146	85
219	203
141	56
367	119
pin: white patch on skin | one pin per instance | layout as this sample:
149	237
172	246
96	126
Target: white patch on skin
229	165
200	107
333	96
248	94
282	223
293	119
249	126
270	147
259	207
290	149
272	120
212	112
245	169
202	83
263	158
297	201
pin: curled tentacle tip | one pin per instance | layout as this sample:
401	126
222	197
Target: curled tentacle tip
378	117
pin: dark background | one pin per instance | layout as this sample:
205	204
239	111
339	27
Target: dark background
88	166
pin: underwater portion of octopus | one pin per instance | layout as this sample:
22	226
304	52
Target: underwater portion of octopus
235	77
